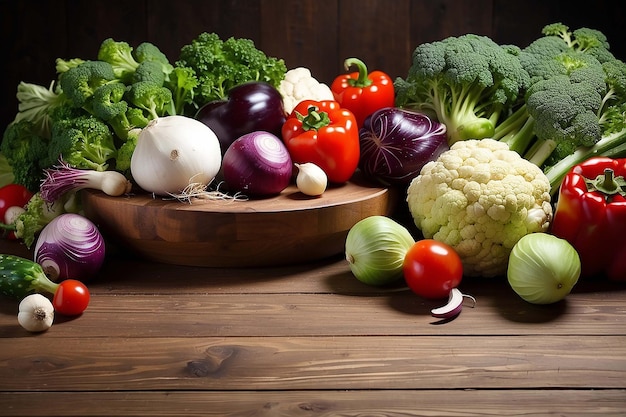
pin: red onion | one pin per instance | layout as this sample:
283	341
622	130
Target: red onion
257	164
396	144
70	247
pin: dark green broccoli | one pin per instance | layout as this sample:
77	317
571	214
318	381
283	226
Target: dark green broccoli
26	153
80	82
154	99
466	82
108	101
220	65
182	84
119	55
83	141
125	152
150	71
148	52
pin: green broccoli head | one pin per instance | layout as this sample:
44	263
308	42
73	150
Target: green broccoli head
80	82
125	152
221	65
466	82
149	52
84	142
26	153
119	55
108	101
150	71
154	99
565	114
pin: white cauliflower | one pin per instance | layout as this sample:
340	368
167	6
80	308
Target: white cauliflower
480	198
299	85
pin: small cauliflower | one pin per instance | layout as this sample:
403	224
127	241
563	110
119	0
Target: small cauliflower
480	197
299	85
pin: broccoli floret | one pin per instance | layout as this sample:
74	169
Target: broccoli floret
466	82
119	55
148	52
79	83
221	65
26	153
149	71
125	152
108	101
84	142
154	99
62	65
182	83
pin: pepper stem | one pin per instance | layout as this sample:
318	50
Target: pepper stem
314	120
607	184
362	80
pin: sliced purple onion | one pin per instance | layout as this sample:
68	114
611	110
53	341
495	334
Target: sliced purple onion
70	247
396	143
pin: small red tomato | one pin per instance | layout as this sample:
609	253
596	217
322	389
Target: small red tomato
71	297
432	269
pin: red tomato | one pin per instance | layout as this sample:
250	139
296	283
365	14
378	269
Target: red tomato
432	269
71	297
12	195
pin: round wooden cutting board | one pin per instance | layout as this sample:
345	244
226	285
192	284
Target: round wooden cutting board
286	229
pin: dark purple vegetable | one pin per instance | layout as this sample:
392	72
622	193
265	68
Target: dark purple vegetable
396	144
70	247
257	164
250	107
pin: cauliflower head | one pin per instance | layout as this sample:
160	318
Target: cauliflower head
480	197
299	85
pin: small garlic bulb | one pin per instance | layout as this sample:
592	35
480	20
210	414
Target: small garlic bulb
36	313
311	179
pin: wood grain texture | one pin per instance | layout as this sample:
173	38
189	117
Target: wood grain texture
330	403
310	339
284	229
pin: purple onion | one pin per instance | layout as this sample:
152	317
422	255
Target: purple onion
257	164
396	143
70	247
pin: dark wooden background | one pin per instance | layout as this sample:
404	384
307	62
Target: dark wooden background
318	34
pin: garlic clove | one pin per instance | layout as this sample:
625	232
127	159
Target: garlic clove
36	313
311	179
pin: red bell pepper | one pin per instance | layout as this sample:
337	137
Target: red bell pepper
591	215
361	92
324	133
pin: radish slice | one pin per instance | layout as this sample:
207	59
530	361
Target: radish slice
454	305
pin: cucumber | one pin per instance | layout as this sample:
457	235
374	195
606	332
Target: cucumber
20	277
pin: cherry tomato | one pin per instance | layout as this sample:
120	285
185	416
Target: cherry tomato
12	195
71	297
432	269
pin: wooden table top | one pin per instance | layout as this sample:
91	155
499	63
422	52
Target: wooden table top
311	340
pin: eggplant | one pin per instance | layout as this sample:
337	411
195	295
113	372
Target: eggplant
396	143
249	107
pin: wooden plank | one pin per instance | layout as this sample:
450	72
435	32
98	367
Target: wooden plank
349	403
399	314
293	363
